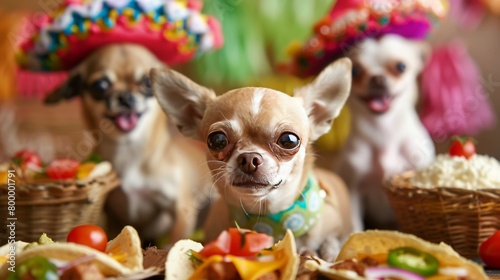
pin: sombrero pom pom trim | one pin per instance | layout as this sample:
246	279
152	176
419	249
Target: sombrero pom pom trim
353	21
174	30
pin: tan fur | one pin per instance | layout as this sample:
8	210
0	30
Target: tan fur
252	120
165	180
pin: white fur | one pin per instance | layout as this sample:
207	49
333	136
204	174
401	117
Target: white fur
256	101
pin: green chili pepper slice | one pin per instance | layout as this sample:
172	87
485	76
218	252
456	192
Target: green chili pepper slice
37	268
413	260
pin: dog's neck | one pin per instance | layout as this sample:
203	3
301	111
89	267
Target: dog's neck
299	217
297	211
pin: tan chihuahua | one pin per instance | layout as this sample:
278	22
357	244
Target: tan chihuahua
164	175
260	155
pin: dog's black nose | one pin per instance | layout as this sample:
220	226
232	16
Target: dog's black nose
249	162
378	82
126	100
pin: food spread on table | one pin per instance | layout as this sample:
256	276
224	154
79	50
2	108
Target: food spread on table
382	254
31	168
235	254
85	255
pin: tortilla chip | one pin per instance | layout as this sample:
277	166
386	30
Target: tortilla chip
288	244
178	264
127	245
180	267
5	250
19	245
127	249
373	242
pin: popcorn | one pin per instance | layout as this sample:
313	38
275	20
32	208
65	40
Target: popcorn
477	172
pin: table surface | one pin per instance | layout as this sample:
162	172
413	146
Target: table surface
493	274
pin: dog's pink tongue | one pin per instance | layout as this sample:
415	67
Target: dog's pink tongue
127	122
379	104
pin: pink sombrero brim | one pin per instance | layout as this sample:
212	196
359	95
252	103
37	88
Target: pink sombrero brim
172	41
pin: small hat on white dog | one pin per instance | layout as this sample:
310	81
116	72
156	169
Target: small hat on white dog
351	21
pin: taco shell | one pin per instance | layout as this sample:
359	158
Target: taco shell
123	254
377	242
179	266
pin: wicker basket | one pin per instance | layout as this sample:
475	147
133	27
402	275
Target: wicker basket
459	217
54	207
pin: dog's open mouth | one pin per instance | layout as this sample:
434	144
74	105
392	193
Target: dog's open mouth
126	121
378	103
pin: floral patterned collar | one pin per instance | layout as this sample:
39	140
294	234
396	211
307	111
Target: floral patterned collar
300	217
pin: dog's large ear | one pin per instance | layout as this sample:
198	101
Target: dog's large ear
425	51
72	87
181	99
326	95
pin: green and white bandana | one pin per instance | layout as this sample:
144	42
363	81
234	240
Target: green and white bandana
300	217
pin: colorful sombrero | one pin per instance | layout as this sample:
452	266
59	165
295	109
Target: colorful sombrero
353	20
174	30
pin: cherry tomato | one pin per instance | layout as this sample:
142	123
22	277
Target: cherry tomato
27	159
89	235
465	148
61	169
220	246
489	250
238	242
248	243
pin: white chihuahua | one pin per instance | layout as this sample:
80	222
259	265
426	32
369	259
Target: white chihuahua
259	142
386	136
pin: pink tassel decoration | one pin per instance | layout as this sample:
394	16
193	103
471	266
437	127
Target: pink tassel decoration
37	85
455	101
467	13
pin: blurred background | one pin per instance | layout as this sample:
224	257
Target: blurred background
258	35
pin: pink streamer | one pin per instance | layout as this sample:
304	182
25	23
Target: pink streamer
468	13
455	100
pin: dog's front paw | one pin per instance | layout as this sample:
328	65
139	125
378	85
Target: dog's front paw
330	249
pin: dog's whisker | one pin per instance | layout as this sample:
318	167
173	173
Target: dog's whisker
214	173
302	195
217	178
243	207
260	208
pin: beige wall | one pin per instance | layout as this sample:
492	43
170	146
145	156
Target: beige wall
483	44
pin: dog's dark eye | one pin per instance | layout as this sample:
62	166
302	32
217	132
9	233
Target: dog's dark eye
217	141
288	141
146	87
356	71
99	88
401	67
